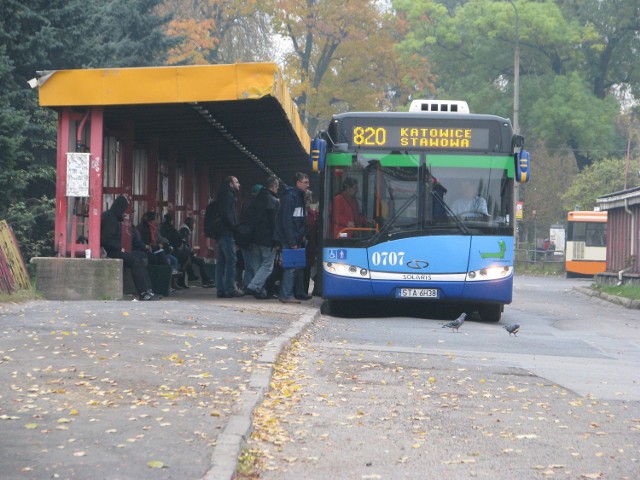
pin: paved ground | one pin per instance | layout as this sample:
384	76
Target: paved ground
135	390
166	390
386	396
351	411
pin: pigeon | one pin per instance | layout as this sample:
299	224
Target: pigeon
456	324
513	328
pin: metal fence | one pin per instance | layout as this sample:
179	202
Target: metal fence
530	259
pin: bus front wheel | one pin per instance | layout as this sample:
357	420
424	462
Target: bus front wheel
334	308
491	312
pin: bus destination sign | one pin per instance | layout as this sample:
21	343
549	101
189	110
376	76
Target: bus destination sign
421	137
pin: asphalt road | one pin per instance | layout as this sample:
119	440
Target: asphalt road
389	394
134	390
169	389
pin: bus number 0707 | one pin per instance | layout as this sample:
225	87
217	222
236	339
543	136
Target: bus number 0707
387	258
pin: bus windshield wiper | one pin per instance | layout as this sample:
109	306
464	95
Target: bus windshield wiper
389	223
455	217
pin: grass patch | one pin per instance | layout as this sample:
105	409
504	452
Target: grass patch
246	468
20	296
540	268
626	291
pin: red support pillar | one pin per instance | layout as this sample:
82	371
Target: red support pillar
127	182
172	161
64	119
152	178
203	201
189	180
96	148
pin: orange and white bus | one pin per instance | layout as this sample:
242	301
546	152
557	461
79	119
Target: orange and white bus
586	248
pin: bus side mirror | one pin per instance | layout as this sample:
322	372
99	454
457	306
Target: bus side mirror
522	161
517	141
318	154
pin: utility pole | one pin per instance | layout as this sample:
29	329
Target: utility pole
516	74
516	108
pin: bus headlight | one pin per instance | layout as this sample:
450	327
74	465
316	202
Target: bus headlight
344	270
490	273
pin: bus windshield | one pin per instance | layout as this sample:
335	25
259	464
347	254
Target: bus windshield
381	195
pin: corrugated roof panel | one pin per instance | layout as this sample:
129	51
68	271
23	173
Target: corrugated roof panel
251	101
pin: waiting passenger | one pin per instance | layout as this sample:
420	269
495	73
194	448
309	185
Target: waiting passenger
185	233
157	245
225	244
111	241
262	218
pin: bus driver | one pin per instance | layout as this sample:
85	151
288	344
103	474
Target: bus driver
345	209
471	205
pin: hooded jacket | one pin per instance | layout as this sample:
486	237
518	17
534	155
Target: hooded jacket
291	223
111	226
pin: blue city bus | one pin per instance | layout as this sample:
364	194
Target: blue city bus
400	234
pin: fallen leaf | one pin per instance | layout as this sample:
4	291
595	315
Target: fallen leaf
156	464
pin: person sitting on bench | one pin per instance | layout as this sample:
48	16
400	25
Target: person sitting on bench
111	241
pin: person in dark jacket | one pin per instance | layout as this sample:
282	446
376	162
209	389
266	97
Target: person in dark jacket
111	241
226	247
156	244
185	233
262	217
245	243
291	231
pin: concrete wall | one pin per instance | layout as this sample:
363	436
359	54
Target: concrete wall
78	278
611	278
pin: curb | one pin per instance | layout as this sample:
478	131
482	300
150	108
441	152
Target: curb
625	302
224	458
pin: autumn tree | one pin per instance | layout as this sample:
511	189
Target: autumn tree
341	57
218	31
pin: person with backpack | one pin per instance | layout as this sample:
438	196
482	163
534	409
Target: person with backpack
262	218
222	227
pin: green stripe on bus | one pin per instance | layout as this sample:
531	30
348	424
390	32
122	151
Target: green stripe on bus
473	161
395	160
435	160
339	159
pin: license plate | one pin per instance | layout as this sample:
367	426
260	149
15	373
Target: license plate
417	293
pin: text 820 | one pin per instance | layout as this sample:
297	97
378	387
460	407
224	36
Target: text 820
370	136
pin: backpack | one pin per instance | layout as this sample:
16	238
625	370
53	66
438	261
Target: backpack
213	221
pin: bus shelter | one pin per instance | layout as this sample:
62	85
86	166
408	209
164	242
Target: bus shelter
165	137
